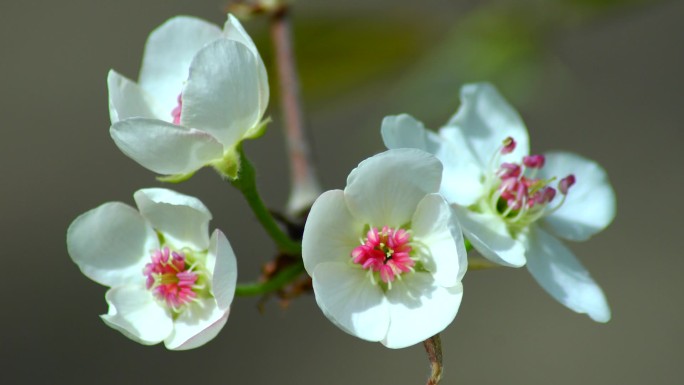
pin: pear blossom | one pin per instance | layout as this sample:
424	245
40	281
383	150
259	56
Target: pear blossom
201	91
514	206
169	280
385	254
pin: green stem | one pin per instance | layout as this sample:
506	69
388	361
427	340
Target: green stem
286	276
246	183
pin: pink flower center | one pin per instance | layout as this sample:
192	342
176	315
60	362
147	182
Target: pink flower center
518	190
176	112
519	196
170	278
385	252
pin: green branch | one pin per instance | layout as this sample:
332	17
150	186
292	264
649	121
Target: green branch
286	276
246	183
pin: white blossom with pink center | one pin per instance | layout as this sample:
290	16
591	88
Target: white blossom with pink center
386	255
169	280
512	205
201	91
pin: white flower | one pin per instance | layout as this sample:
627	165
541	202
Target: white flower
386	256
510	203
169	281
201	91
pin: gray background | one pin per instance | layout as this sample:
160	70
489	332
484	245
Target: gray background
608	87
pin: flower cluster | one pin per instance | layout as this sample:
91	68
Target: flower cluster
386	255
201	91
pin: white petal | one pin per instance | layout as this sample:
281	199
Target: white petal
489	235
461	178
349	299
126	99
222	265
134	312
163	147
330	232
233	30
111	244
434	227
385	189
559	272
168	53
590	204
184	220
196	325
404	131
222	92
419	309
482	123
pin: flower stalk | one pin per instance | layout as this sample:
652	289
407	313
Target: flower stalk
284	277
433	347
246	183
305	187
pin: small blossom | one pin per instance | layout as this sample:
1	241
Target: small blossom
505	198
169	281
386	255
201	91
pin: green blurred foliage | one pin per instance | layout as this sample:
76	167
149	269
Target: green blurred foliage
503	46
598	7
341	54
422	62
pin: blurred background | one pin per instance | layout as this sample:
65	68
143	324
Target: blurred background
602	78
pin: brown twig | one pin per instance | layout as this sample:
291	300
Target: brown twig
305	187
433	347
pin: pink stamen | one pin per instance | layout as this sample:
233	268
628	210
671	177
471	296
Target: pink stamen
508	145
565	184
386	252
170	279
548	194
515	191
542	196
176	112
510	170
521	191
534	161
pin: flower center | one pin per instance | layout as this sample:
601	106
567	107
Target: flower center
172	279
516	194
176	112
386	253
